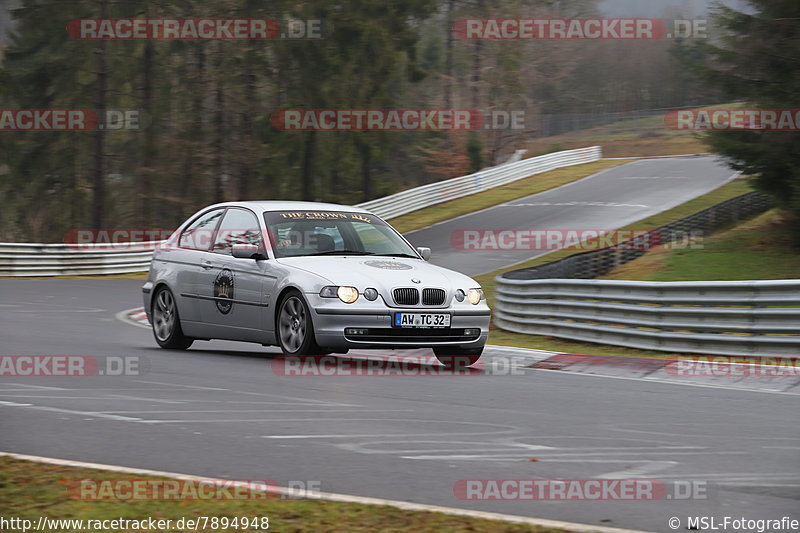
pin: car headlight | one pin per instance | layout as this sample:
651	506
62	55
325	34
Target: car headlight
346	294
460	295
474	296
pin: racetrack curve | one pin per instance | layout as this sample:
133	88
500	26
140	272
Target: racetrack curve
610	199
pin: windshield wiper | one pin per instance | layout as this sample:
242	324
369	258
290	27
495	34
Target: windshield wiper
343	252
399	255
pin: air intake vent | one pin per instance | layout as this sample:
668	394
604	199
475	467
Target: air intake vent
433	296
407	296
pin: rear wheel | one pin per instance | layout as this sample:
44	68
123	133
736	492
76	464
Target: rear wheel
457	357
295	328
166	322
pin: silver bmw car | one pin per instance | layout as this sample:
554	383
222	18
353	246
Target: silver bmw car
311	278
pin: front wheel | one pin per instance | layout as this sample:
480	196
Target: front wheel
457	357
166	322
295	328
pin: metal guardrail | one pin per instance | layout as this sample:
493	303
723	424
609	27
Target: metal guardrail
709	317
442	191
22	259
561	299
25	259
595	263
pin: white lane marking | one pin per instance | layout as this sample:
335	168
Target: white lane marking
691	431
136	398
650	158
472	446
392	435
360	436
329	419
670	382
655	178
198	387
737	476
577	204
266	403
315	410
310	401
548	456
26	385
639	471
748	484
330	496
72	397
180	411
491	447
92	414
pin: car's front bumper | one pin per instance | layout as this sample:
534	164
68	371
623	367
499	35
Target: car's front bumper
334	322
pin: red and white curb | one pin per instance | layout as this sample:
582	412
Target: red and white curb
329	496
135	316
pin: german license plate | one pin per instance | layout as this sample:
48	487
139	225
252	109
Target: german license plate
422	320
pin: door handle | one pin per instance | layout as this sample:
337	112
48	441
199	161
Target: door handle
206	264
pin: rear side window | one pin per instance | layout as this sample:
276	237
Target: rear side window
198	235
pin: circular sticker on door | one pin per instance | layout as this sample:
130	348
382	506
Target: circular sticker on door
223	290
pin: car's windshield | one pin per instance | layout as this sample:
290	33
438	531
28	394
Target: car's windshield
296	233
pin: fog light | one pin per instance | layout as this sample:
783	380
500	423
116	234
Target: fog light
355	331
371	294
472	332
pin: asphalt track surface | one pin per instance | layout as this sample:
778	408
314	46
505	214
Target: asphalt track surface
222	410
610	199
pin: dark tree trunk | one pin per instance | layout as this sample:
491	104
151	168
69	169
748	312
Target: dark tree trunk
219	101
149	151
308	167
448	47
98	155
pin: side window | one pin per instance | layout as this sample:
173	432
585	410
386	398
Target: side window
238	227
199	233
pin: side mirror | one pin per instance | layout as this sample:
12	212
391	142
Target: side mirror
247	251
424	252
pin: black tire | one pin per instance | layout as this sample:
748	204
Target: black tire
457	357
166	321
294	327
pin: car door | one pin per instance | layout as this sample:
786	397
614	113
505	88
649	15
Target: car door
241	288
193	245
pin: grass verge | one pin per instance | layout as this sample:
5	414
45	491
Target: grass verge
519	189
759	248
29	490
626	138
540	342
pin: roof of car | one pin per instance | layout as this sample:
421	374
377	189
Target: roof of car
278	205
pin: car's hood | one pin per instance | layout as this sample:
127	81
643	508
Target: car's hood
382	273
